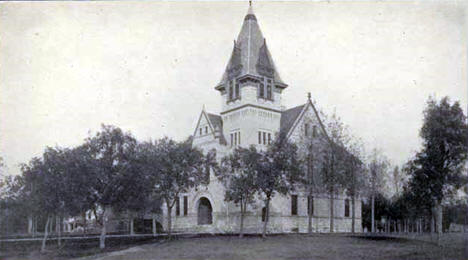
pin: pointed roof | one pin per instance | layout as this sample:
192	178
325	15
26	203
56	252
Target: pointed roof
250	55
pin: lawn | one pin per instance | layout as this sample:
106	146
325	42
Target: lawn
319	246
285	247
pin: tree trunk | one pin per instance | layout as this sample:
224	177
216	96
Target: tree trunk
154	225
309	213
83	215
353	215
102	238
132	226
267	216
372	213
57	230
169	220
30	224
241	230
439	223
46	232
332	210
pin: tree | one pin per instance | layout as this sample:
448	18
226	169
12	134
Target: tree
238	173
111	154
439	165
333	165
398	180
377	170
278	171
354	178
174	167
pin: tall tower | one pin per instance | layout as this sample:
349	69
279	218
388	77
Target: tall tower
250	89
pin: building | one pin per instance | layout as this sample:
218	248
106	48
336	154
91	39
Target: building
252	114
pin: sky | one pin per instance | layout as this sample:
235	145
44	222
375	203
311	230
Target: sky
149	67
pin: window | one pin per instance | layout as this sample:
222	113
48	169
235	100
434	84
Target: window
269	138
185	205
206	129
261	90
259	137
346	208
264	138
200	131
306	129
235	139
310	205
269	96
294	205
237	91
177	208
231	91
314	131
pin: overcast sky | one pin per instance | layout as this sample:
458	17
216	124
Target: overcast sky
148	67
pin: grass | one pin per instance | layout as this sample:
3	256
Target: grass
318	246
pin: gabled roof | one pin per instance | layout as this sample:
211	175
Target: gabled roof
215	123
250	55
288	117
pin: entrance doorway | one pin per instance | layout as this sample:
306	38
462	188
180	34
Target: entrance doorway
205	212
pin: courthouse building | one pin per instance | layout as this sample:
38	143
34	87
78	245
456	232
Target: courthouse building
252	114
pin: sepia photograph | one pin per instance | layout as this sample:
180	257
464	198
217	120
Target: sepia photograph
150	130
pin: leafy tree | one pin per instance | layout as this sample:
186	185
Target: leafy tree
438	167
112	157
238	173
174	168
278	171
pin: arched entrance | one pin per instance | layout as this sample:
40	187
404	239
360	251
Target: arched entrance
205	212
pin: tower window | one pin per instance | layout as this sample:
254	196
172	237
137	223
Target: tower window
310	205
346	208
306	129
237	91
262	90
206	129
294	205
231	91
314	131
269	96
200	131
185	205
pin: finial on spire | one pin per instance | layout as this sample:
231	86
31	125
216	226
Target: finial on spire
308	96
